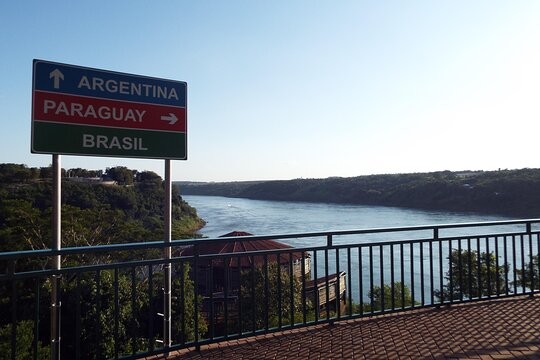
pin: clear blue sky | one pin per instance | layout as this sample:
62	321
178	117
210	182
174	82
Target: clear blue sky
289	89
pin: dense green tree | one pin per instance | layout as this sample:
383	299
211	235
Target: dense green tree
183	307
471	275
121	174
24	342
530	277
400	297
253	294
22	226
17	173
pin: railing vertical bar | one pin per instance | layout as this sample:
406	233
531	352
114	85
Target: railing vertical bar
411	259
240	297
431	274
479	267
514	265
14	319
133	311
451	271
327	285
349	278
266	292
460	274
196	293
279	292
226	295
316	286
402	273
523	267
253	300
506	267
183	275
488	267
441	275
338	287
211	296
469	263
371	278
116	314
303	270
291	289
98	314
497	268
392	278
381	269
36	318
538	255
531	264
422	294
150	308
360	280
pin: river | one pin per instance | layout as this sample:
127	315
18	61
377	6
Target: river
261	217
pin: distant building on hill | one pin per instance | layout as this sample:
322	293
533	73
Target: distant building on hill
91	180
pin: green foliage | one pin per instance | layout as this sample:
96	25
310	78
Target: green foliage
91	214
473	275
254	299
401	295
511	192
97	324
121	174
183	309
17	173
528	277
24	340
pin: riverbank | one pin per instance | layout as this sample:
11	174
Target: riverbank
503	192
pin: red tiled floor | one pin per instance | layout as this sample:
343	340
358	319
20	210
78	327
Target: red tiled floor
498	329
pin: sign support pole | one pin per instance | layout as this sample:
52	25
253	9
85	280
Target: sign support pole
167	216
56	244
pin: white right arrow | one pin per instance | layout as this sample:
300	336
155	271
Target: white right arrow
171	118
57	76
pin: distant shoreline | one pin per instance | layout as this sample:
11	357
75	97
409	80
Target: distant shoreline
504	192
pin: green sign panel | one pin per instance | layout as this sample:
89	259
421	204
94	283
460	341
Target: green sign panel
84	111
71	139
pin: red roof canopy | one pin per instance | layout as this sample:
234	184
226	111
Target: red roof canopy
237	246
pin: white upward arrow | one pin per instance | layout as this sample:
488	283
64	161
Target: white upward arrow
57	76
171	118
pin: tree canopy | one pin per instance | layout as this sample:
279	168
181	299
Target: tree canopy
510	192
92	213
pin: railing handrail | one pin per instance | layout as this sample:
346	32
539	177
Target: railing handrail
13	255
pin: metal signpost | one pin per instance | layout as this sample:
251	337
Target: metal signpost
84	111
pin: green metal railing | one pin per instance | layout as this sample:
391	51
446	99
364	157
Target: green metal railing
111	297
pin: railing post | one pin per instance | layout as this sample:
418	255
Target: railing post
56	260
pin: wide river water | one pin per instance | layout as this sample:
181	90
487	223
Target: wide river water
261	217
258	217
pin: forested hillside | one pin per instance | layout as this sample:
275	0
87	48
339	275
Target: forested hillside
510	192
126	208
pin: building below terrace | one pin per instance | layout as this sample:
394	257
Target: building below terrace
219	279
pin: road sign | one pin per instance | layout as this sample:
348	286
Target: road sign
84	111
